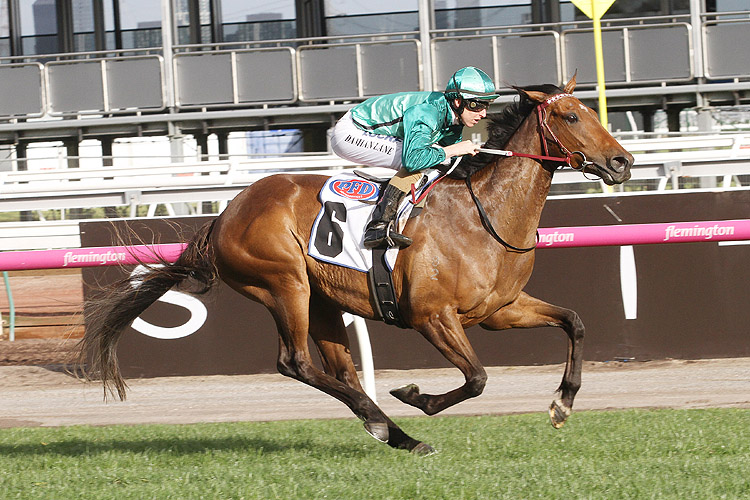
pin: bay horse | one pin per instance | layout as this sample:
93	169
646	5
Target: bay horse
455	274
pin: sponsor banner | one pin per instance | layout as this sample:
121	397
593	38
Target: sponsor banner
89	257
559	237
644	234
355	189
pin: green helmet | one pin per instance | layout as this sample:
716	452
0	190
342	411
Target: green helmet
471	83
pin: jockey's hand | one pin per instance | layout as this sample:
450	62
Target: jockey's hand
461	148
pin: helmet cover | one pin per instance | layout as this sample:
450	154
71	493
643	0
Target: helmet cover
471	83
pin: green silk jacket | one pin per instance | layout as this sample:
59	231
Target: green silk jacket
420	119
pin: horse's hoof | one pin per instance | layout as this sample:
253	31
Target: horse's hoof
558	413
423	450
378	430
406	393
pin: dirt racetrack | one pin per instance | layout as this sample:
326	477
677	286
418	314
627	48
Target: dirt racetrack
36	391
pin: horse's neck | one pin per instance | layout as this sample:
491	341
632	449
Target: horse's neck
517	187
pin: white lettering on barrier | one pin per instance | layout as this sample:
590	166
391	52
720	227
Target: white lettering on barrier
198	312
556	237
705	232
103	258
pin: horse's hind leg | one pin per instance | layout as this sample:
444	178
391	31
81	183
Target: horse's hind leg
329	334
445	332
529	312
292	321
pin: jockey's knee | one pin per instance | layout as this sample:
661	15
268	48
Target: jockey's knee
404	179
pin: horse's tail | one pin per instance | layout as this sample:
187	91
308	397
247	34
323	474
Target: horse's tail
123	301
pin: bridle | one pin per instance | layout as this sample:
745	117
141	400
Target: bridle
545	133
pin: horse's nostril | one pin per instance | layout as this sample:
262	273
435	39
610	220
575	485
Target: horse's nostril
619	163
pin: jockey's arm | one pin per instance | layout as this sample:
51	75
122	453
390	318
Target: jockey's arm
460	148
421	131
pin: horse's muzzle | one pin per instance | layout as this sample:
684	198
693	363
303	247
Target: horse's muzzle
617	170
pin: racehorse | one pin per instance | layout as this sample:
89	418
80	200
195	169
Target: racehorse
471	258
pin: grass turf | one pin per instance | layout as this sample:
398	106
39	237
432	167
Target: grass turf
673	454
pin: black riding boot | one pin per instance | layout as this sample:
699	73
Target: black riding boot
379	232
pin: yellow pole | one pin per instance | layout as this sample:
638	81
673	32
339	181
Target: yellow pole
599	65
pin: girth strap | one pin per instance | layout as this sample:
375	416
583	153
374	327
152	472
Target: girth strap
381	287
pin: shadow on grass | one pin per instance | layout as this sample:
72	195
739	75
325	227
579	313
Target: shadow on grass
183	447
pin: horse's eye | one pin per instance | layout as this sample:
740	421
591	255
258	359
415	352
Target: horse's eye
571	118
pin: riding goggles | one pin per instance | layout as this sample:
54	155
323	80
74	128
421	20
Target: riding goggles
476	105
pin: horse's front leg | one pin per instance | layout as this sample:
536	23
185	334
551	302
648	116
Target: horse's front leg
445	332
530	312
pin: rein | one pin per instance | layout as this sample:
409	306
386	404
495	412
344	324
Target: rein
488	225
541	113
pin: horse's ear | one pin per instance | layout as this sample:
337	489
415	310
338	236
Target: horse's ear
571	85
532	95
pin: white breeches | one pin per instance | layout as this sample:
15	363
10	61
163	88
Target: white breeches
359	146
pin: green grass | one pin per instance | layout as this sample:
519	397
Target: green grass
695	454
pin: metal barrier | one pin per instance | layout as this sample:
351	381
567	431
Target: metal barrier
513	58
111	85
556	237
69	258
721	40
358	70
23	94
258	74
237	77
642	54
659	159
35	235
136	185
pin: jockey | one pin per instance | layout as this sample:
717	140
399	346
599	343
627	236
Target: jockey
409	132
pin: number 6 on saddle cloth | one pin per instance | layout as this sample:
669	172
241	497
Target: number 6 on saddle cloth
337	235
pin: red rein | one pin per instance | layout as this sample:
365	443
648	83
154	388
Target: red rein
541	113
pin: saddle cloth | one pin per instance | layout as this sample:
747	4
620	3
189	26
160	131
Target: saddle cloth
337	235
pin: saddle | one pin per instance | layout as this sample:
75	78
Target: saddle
347	202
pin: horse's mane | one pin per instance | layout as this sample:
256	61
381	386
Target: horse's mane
501	128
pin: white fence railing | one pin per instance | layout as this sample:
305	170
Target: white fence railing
725	158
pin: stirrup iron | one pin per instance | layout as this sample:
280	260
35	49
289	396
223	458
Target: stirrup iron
382	235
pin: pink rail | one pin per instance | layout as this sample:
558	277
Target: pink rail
645	234
89	257
558	237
